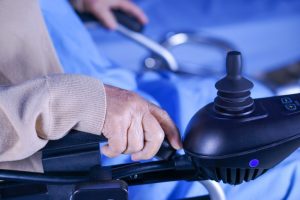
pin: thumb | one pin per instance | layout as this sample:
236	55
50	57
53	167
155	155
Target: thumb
167	125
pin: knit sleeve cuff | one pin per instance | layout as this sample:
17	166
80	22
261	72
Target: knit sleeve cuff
76	102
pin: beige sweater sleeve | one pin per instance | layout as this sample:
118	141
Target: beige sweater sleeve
46	109
37	102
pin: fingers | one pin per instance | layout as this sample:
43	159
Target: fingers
132	9
134	126
117	142
103	11
153	138
105	16
135	137
143	139
167	125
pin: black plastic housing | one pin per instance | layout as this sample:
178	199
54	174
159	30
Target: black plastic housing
101	191
236	149
62	155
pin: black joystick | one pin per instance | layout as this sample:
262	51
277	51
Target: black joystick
237	138
234	90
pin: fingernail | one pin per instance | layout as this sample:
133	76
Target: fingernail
178	146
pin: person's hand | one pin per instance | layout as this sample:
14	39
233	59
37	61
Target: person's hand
102	9
134	126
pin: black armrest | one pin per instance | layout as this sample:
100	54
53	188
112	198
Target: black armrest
77	151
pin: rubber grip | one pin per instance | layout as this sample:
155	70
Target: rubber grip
123	18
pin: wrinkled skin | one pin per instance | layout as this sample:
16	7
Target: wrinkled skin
135	126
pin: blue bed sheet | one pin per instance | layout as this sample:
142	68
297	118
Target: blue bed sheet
104	56
265	31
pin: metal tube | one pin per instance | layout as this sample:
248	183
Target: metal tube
214	189
150	44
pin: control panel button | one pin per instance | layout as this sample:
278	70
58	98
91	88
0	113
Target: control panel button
289	104
286	100
291	107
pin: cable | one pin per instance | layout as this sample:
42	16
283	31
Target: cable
139	168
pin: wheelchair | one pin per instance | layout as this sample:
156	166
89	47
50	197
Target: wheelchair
242	147
72	170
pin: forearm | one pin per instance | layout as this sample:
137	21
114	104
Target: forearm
46	109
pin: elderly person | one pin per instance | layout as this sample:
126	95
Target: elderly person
78	53
38	103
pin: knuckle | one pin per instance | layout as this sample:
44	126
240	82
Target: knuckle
133	100
131	96
135	147
135	96
137	103
160	136
138	147
164	114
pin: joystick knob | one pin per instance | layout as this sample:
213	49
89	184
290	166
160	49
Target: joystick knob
234	90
